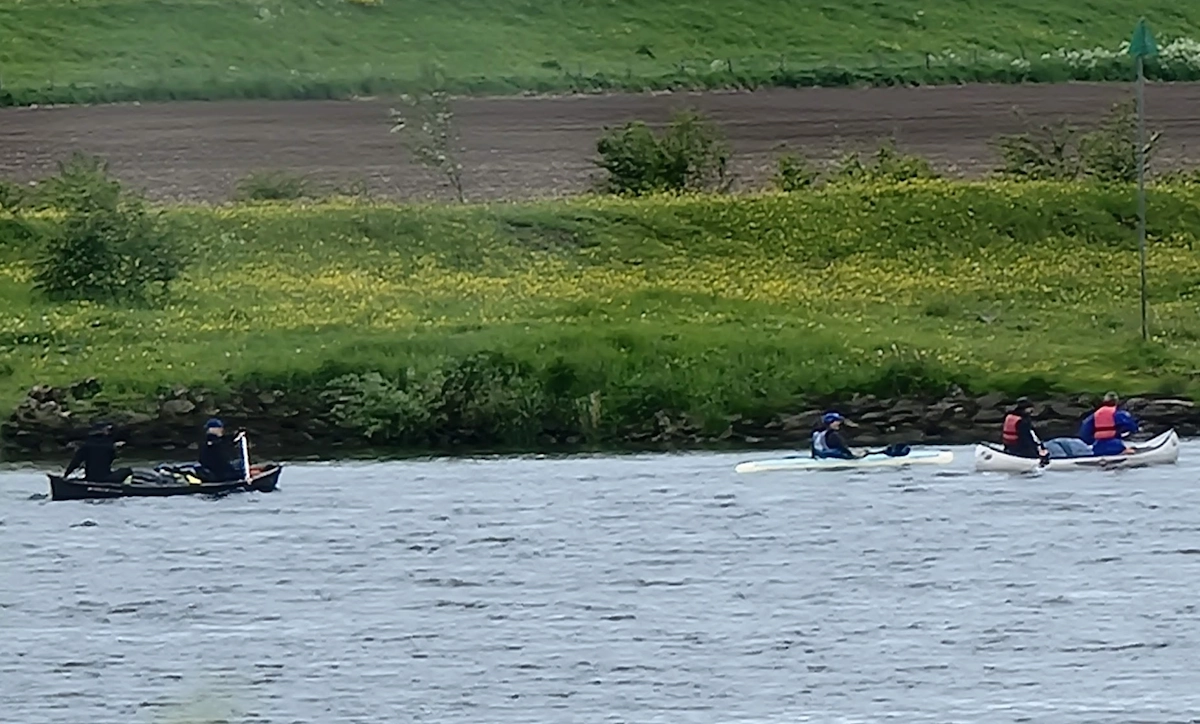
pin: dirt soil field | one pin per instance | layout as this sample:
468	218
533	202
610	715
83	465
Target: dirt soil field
524	147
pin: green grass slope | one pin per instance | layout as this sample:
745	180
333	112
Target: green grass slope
109	49
710	305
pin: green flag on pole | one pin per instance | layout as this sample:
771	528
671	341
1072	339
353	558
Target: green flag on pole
1143	42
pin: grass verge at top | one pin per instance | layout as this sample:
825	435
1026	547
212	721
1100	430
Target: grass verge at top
60	51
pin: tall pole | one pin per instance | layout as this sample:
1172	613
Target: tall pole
1141	45
1141	162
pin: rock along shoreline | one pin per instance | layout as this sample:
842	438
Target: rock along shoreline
50	422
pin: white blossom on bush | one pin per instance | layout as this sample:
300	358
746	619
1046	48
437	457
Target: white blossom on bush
1180	53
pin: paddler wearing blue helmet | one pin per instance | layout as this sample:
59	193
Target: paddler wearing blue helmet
219	462
827	439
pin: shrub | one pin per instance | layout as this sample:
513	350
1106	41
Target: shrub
83	184
1046	153
633	159
1179	176
691	155
482	398
887	165
108	245
487	397
1109	153
272	186
12	196
1060	151
793	173
356	189
376	408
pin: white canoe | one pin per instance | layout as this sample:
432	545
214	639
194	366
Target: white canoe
874	460
1161	450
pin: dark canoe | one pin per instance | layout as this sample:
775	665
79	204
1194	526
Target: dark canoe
161	483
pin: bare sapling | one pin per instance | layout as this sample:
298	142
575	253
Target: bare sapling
425	124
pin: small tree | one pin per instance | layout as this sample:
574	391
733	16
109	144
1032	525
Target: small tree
426	127
108	247
691	155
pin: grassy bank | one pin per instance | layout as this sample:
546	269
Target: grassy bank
97	50
612	310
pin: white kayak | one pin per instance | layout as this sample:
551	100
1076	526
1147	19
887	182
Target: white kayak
1161	450
874	460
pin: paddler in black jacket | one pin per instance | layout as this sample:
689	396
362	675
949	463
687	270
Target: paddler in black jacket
1019	437
218	455
96	455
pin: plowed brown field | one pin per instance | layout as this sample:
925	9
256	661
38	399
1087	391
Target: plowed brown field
523	147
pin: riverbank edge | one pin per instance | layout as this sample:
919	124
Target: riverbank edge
47	426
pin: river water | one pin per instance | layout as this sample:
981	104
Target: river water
627	589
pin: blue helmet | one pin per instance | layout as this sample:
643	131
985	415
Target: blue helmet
213	423
831	417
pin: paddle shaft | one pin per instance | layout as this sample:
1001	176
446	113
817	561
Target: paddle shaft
245	456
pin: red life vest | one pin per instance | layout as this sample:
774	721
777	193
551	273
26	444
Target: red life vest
1009	436
1104	421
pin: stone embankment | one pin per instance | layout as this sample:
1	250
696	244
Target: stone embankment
50	421
961	419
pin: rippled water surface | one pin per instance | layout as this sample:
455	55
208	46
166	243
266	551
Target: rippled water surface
640	589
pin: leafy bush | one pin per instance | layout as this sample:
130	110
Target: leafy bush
376	408
690	155
272	186
1060	151
12	196
357	189
483	398
793	173
905	372
108	247
83	184
1110	153
1046	153
888	164
488	396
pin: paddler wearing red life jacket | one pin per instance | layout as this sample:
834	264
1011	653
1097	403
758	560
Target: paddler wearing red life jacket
1018	435
1105	428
